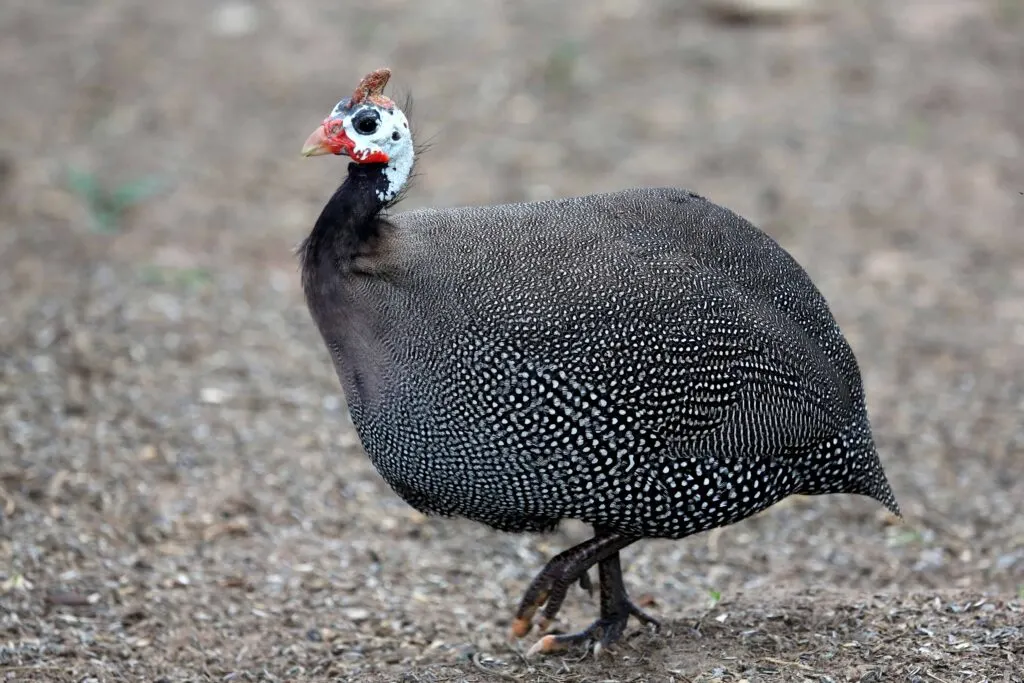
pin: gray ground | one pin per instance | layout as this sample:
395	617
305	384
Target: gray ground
181	495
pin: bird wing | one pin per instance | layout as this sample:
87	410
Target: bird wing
597	326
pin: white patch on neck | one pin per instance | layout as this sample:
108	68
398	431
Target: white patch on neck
397	172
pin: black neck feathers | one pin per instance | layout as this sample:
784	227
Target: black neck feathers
351	218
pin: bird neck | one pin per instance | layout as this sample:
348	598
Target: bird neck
350	218
349	237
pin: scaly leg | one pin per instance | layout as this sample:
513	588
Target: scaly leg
549	588
616	609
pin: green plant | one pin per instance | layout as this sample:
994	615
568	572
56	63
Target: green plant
107	205
1009	12
186	278
560	66
905	537
918	132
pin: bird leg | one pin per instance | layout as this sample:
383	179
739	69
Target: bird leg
616	609
549	588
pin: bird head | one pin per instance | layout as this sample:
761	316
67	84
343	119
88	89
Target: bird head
367	127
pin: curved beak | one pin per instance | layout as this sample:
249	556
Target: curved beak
317	143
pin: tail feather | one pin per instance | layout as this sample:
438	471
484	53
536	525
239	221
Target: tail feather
867	477
852	467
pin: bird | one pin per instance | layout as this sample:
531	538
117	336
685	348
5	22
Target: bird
644	361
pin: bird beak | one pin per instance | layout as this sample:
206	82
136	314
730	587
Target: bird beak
317	143
328	138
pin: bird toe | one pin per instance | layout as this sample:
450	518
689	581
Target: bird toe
548	645
520	627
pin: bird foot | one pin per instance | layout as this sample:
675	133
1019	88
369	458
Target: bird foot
602	633
550	587
547	591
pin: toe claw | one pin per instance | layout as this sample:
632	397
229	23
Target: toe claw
520	627
603	633
546	645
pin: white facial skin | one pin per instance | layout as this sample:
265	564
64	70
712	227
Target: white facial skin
376	138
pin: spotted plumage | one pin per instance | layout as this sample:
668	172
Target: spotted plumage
644	361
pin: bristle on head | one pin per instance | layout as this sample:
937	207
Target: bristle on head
372	88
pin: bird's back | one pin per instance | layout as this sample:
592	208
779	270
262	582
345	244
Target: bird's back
644	360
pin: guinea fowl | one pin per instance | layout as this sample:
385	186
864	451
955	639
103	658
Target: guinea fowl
643	361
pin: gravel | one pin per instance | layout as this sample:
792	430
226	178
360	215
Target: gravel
181	494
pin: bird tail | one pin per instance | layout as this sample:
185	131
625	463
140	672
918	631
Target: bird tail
870	476
852	468
880	490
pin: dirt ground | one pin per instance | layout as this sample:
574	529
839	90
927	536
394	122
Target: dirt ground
182	497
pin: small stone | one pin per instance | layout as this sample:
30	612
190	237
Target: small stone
212	395
70	599
356	614
523	109
234	19
762	11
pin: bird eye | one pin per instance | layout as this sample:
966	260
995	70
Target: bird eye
366	124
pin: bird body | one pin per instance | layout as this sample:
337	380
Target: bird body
644	361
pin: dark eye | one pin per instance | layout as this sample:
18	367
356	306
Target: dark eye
366	123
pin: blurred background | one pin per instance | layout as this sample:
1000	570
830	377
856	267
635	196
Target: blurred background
181	494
